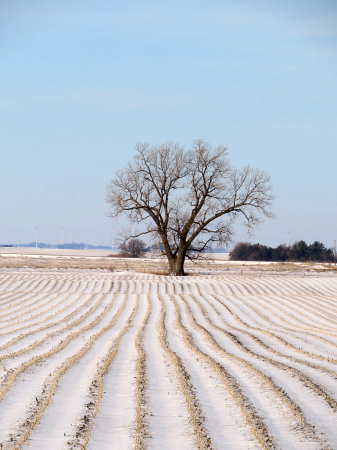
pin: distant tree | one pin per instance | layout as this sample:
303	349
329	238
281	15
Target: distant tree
189	200
134	248
265	252
299	251
316	251
240	252
279	253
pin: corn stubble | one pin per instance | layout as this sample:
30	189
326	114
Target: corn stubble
240	329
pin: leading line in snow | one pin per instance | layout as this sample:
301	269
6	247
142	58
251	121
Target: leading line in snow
100	361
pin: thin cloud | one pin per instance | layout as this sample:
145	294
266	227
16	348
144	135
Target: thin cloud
96	99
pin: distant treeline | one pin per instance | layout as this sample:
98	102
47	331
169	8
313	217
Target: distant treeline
76	246
300	251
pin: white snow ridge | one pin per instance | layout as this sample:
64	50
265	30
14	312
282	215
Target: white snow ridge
104	361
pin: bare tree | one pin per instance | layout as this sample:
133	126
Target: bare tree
133	248
189	199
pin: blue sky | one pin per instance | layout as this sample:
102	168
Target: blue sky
82	81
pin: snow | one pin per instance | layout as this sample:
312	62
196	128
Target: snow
259	347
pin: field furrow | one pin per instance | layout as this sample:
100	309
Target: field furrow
93	360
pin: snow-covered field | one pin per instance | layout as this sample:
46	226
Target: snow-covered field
98	361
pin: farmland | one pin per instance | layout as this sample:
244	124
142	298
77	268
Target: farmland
101	360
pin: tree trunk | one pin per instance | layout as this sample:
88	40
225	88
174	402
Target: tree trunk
177	265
